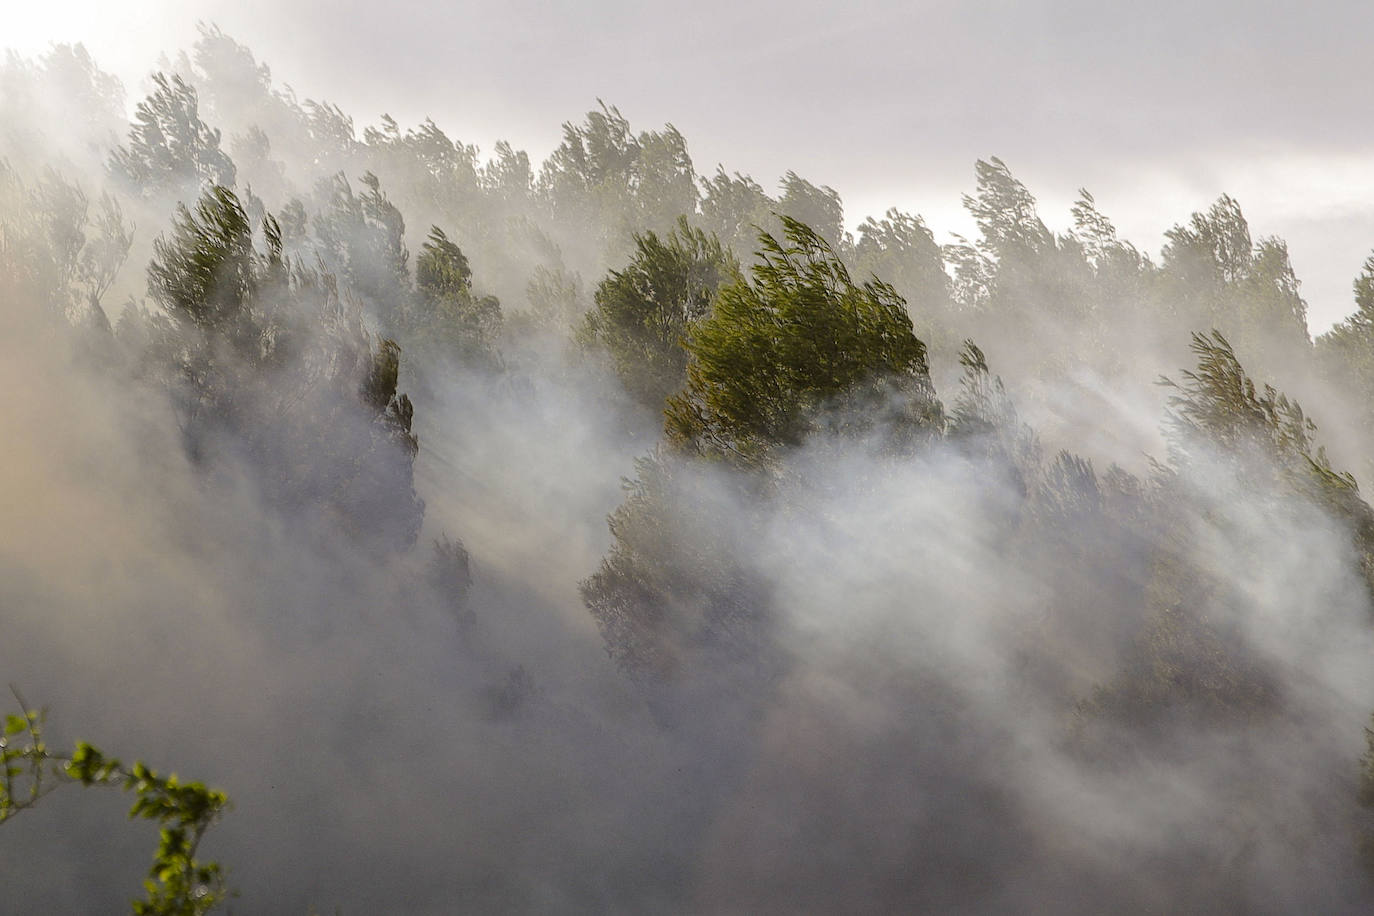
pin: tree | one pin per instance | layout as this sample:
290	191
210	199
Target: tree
672	589
1219	277
170	148
266	362
362	239
1011	276
644	310
734	208
1184	660
817	207
556	299
800	346
207	273
425	165
900	249
1346	352
1214	247
447	315
1005	211
1218	406
64	80
508	176
604	182
54	253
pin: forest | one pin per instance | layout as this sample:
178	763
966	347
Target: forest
405	527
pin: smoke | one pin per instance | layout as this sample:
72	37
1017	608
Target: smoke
980	678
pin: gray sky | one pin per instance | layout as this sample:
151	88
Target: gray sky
1156	108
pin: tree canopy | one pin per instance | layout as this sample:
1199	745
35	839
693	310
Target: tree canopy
797	341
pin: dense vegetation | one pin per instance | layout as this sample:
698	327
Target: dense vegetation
902	606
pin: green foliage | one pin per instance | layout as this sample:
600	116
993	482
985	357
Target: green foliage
178	884
264	352
442	269
207	273
798	343
983	419
170	148
672	587
1219	406
644	310
1346	352
508	175
1018	282
447	315
1183	662
901	249
439	167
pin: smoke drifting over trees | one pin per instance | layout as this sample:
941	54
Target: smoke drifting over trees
603	536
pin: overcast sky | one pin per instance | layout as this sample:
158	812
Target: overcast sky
1157	108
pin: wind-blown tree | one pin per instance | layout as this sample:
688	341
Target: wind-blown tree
447	317
1011	236
1186	661
1016	277
900	249
1088	300
1353	337
362	238
604	183
1219	406
508	177
54	253
66	80
265	362
734	209
236	92
424	165
797	347
819	208
555	298
1121	274
644	311
170	149
983	424
1345	358
1218	277
672	590
331	140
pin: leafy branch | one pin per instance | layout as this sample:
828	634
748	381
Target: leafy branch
178	883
